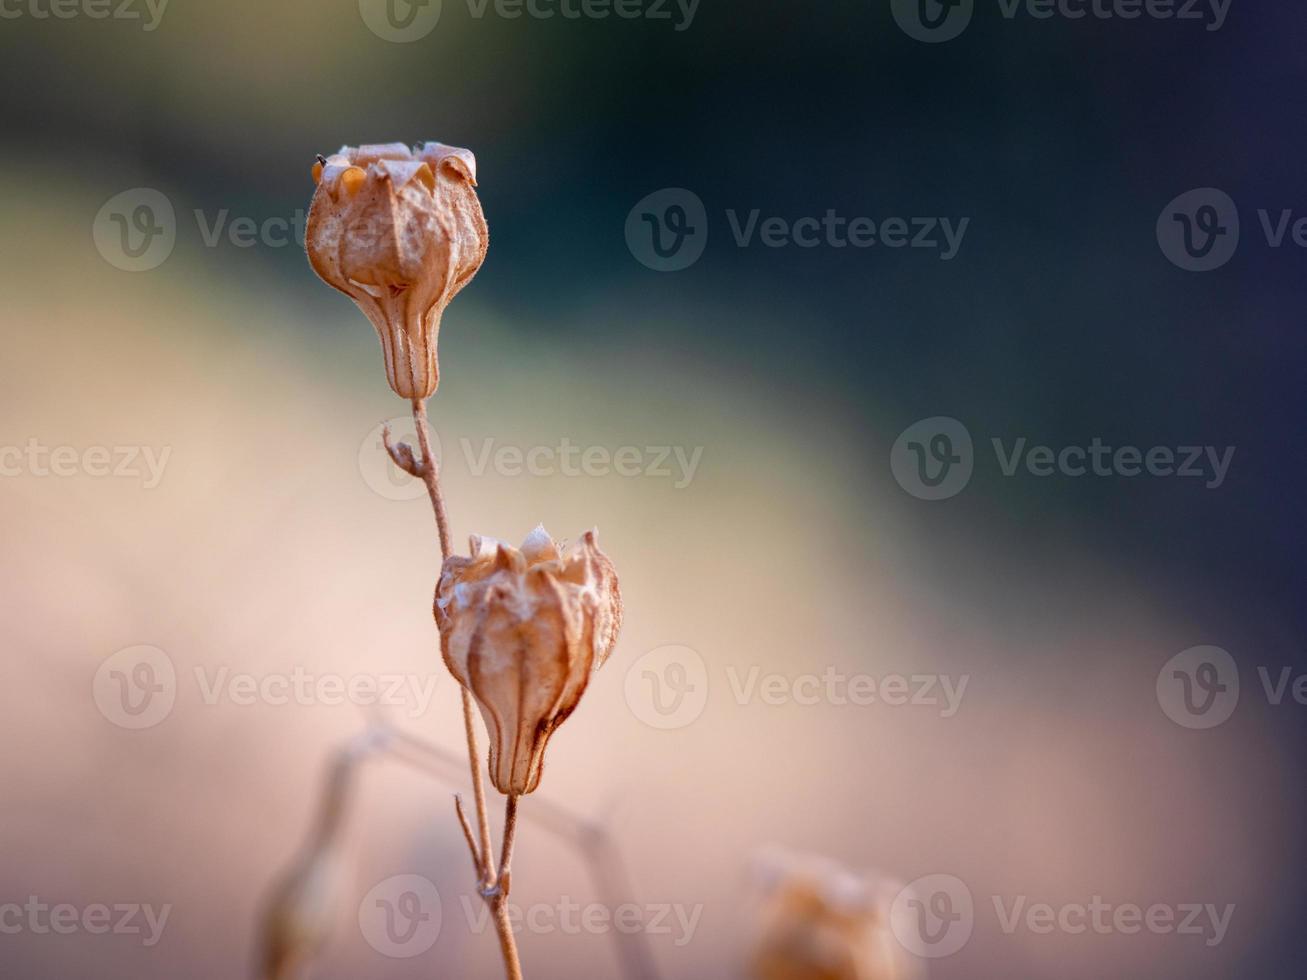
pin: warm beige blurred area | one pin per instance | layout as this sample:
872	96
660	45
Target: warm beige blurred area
273	542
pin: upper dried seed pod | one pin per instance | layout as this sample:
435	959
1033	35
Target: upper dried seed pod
400	232
523	629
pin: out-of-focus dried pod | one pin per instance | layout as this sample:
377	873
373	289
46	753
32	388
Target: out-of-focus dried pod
400	231
821	921
523	629
303	906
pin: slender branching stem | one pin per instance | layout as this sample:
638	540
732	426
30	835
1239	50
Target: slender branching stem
491	885
431	475
507	944
478	791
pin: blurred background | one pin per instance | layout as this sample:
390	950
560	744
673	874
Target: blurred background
191	479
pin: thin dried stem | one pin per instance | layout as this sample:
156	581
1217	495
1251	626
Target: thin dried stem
507	944
510	835
478	791
482	856
430	475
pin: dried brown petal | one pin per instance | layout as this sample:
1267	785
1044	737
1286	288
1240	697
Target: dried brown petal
523	629
400	232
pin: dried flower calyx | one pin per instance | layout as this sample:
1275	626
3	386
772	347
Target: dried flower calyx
522	630
400	231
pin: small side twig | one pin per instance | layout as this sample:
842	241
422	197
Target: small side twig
467	834
591	838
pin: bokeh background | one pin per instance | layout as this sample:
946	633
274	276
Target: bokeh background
276	539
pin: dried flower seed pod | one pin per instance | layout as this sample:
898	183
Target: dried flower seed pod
823	922
523	629
400	232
